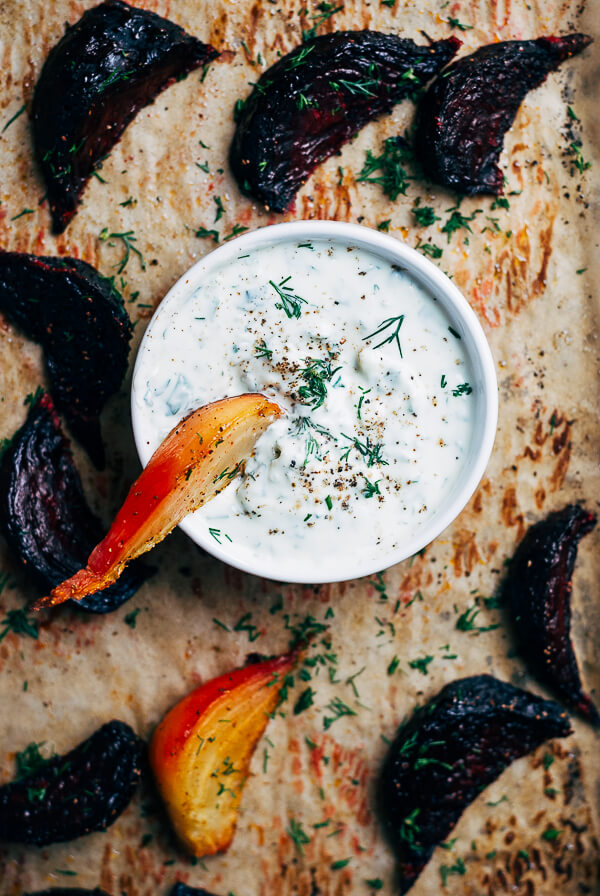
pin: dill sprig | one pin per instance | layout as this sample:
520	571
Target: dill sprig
19	623
290	302
392	176
127	239
326	10
371	452
316	374
394	336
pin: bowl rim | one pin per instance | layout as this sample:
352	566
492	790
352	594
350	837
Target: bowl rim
456	306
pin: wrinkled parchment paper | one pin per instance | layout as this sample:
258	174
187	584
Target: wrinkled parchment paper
521	269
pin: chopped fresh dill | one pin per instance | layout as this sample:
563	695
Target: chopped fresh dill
446	870
355	87
130	619
262	351
455	333
443	381
384	226
577	156
19	623
394	336
454	23
316	374
220	207
203	233
127	239
304	701
235	231
466	621
299	57
371	488
421	664
326	10
458	221
424	214
429	249
26	211
299	836
339	709
462	389
30	760
364	393
409	827
14	118
392	176
329	502
370	452
290	302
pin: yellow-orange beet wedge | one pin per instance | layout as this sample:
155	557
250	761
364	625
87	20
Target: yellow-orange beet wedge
201	751
185	472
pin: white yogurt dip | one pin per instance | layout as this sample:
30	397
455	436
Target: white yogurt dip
375	381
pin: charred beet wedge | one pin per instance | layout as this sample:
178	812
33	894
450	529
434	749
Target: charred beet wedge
466	112
78	318
307	105
114	61
538	591
43	512
72	795
448	752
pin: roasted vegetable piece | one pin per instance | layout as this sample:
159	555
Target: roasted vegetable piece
307	105
448	752
538	592
114	61
78	318
72	795
466	112
183	890
43	512
183	473
201	751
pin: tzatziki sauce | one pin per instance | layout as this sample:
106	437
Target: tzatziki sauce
375	383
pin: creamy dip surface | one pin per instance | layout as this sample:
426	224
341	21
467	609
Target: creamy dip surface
375	383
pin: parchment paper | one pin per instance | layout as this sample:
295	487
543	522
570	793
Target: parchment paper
541	316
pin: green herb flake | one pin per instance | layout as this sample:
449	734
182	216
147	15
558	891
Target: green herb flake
393	666
19	623
548	760
458	221
422	664
298	835
14	118
462	389
551	834
329	502
394	336
577	157
424	215
339	709
446	870
235	231
326	10
454	23
290	302
203	233
387	169
30	760
26	211
127	239
454	333
384	225
304	701
131	618
376	883
341	863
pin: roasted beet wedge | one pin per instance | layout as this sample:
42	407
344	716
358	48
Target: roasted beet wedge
79	319
72	795
448	752
538	592
43	512
307	105
466	112
114	61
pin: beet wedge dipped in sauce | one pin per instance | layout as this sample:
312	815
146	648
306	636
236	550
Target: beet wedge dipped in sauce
538	592
65	797
79	319
201	764
465	113
447	753
44	515
185	471
306	106
110	64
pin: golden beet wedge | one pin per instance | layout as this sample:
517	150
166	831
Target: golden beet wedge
185	472
201	751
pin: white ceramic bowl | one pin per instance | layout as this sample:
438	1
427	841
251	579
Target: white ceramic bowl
464	321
